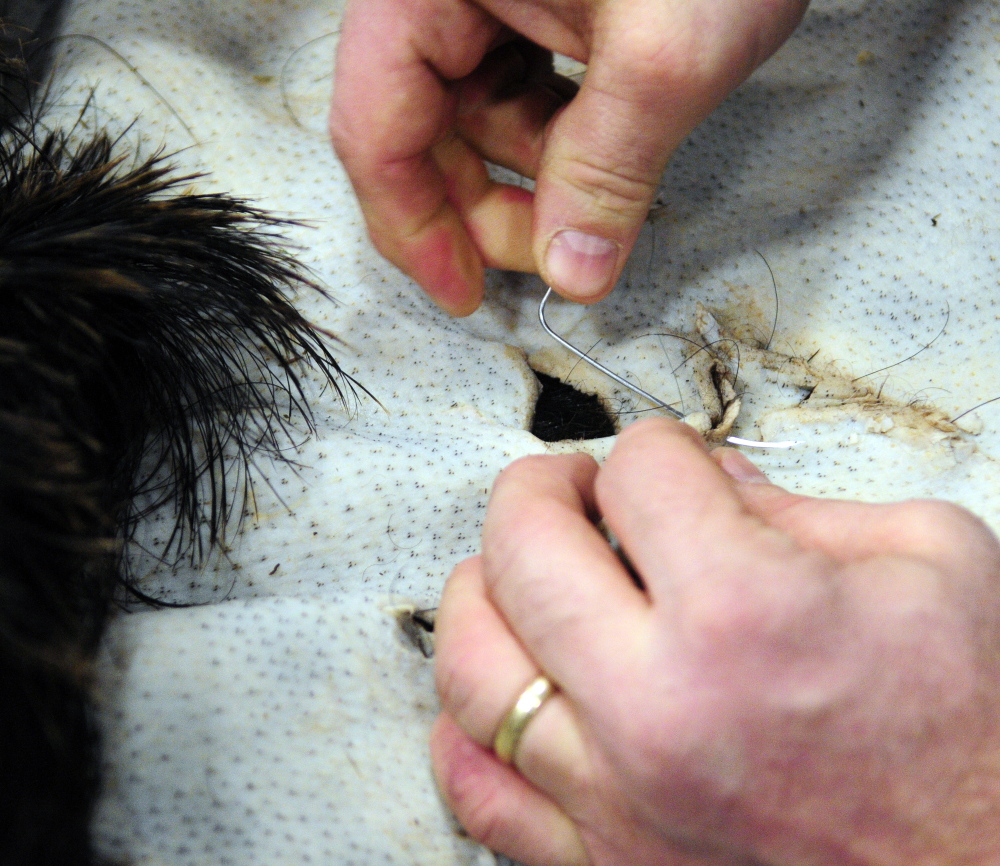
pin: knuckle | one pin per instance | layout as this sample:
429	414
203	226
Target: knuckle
612	187
463	699
342	126
652	55
538	477
679	54
521	469
452	688
479	811
782	605
944	529
534	465
719	616
637	442
930	523
454	676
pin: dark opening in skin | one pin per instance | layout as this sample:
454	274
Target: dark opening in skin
563	412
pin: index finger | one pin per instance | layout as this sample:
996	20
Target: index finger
391	105
554	578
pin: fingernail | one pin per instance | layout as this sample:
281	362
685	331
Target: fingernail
580	264
738	467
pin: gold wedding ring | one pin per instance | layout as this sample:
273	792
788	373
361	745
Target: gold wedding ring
512	727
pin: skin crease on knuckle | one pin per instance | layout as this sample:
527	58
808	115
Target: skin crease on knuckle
613	192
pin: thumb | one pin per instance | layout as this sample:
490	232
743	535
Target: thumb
599	172
940	533
593	192
656	70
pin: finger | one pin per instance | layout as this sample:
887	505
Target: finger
940	533
496	216
555	579
481	669
497	806
505	106
391	104
655	71
687	532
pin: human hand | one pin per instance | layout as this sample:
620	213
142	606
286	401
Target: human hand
427	89
802	681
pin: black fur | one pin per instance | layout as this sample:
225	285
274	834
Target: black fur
564	412
148	350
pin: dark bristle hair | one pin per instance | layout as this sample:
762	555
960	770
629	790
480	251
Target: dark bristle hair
148	353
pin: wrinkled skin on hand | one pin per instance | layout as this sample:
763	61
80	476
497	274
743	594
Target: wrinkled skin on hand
802	680
425	90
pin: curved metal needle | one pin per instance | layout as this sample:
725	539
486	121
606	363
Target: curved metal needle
732	440
585	357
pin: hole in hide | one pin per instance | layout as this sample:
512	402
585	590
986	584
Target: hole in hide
563	412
